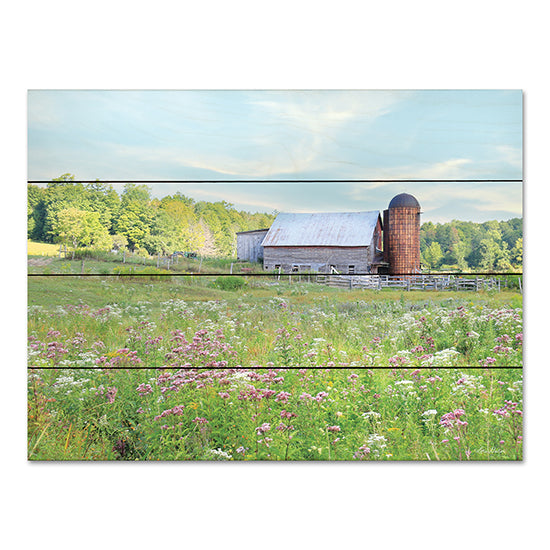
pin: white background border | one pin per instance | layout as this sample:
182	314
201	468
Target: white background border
284	44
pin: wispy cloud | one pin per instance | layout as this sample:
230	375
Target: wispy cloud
510	155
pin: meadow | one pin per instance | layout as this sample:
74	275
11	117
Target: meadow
191	368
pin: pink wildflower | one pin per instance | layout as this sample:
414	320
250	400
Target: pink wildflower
282	397
265	427
321	396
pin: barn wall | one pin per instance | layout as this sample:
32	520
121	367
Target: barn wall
318	258
249	246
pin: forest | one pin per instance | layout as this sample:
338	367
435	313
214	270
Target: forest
94	216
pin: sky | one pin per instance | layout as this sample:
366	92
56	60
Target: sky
291	135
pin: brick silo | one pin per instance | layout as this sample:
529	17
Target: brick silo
402	234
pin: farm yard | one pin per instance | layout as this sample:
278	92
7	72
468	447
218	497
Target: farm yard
205	368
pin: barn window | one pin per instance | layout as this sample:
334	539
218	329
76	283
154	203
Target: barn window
351	269
295	269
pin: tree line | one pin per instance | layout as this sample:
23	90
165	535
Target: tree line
489	246
95	216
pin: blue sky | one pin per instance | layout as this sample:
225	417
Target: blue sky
297	135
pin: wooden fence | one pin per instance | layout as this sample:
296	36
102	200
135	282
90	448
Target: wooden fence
410	282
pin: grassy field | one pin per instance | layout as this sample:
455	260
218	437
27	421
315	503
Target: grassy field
42	249
178	369
104	263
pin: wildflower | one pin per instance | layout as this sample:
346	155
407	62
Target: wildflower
111	394
321	396
144	389
199	420
282	397
177	410
218	454
488	361
265	427
362	453
452	419
284	427
333	428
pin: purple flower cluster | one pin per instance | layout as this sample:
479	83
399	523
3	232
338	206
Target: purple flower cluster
144	389
205	350
177	411
363	453
452	419
321	396
510	408
111	394
265	427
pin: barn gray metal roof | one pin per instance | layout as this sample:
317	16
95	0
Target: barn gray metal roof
322	229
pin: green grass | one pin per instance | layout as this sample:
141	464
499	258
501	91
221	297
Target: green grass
80	407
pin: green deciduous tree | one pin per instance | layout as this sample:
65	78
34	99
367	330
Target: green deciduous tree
135	215
517	253
433	255
79	228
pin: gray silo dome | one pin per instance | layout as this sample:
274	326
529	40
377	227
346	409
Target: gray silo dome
404	200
